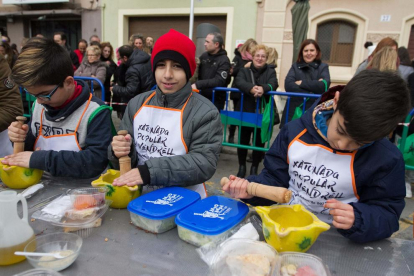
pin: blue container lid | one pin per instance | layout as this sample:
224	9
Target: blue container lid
163	203
212	215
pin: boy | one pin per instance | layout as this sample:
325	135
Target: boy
336	161
175	134
70	129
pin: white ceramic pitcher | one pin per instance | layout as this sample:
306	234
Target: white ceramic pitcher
15	232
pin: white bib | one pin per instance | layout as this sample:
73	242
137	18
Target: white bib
6	147
158	132
59	142
318	174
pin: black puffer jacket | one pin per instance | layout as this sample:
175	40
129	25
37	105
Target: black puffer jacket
239	63
264	77
110	70
213	72
138	77
309	74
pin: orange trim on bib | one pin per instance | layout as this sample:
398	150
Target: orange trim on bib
83	113
182	132
61	135
145	103
291	142
353	175
331	150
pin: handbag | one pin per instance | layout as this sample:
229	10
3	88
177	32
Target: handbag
299	110
268	121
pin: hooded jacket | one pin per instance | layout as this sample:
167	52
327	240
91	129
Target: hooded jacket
213	72
94	135
138	76
379	179
202	133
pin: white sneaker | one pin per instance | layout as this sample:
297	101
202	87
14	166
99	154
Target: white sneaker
408	192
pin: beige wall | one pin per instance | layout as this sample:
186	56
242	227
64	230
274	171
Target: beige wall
366	14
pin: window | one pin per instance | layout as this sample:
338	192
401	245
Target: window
336	40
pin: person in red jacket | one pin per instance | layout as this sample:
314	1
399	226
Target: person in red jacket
80	52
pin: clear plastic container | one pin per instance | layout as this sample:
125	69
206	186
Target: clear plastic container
81	222
84	198
156	211
244	257
153	225
293	263
210	219
67	244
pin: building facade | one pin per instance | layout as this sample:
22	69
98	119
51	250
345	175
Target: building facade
27	18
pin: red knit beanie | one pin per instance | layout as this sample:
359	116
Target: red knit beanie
175	46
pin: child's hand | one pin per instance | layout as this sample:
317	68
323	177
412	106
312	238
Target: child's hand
121	145
237	187
131	178
343	214
21	159
17	134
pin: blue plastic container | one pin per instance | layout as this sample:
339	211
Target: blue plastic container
210	219
156	211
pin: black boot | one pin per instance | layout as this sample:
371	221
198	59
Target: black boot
242	171
253	170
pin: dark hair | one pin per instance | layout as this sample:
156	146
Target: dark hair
372	104
367	44
125	51
404	56
84	41
107	44
217	37
62	35
42	62
306	43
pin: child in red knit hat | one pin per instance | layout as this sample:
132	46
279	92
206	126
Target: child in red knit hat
175	135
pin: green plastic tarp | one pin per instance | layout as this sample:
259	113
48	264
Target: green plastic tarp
299	25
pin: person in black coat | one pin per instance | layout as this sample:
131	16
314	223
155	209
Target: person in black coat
242	58
108	57
134	76
307	75
213	70
253	82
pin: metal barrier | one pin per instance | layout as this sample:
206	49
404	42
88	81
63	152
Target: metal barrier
247	119
91	86
403	140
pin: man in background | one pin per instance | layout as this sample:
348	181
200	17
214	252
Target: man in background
213	70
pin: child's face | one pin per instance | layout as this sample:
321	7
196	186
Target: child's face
338	138
57	98
170	76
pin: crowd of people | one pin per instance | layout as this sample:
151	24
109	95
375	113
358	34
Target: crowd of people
334	158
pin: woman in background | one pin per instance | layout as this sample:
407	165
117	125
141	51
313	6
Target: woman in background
93	67
108	57
253	82
307	75
242	59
